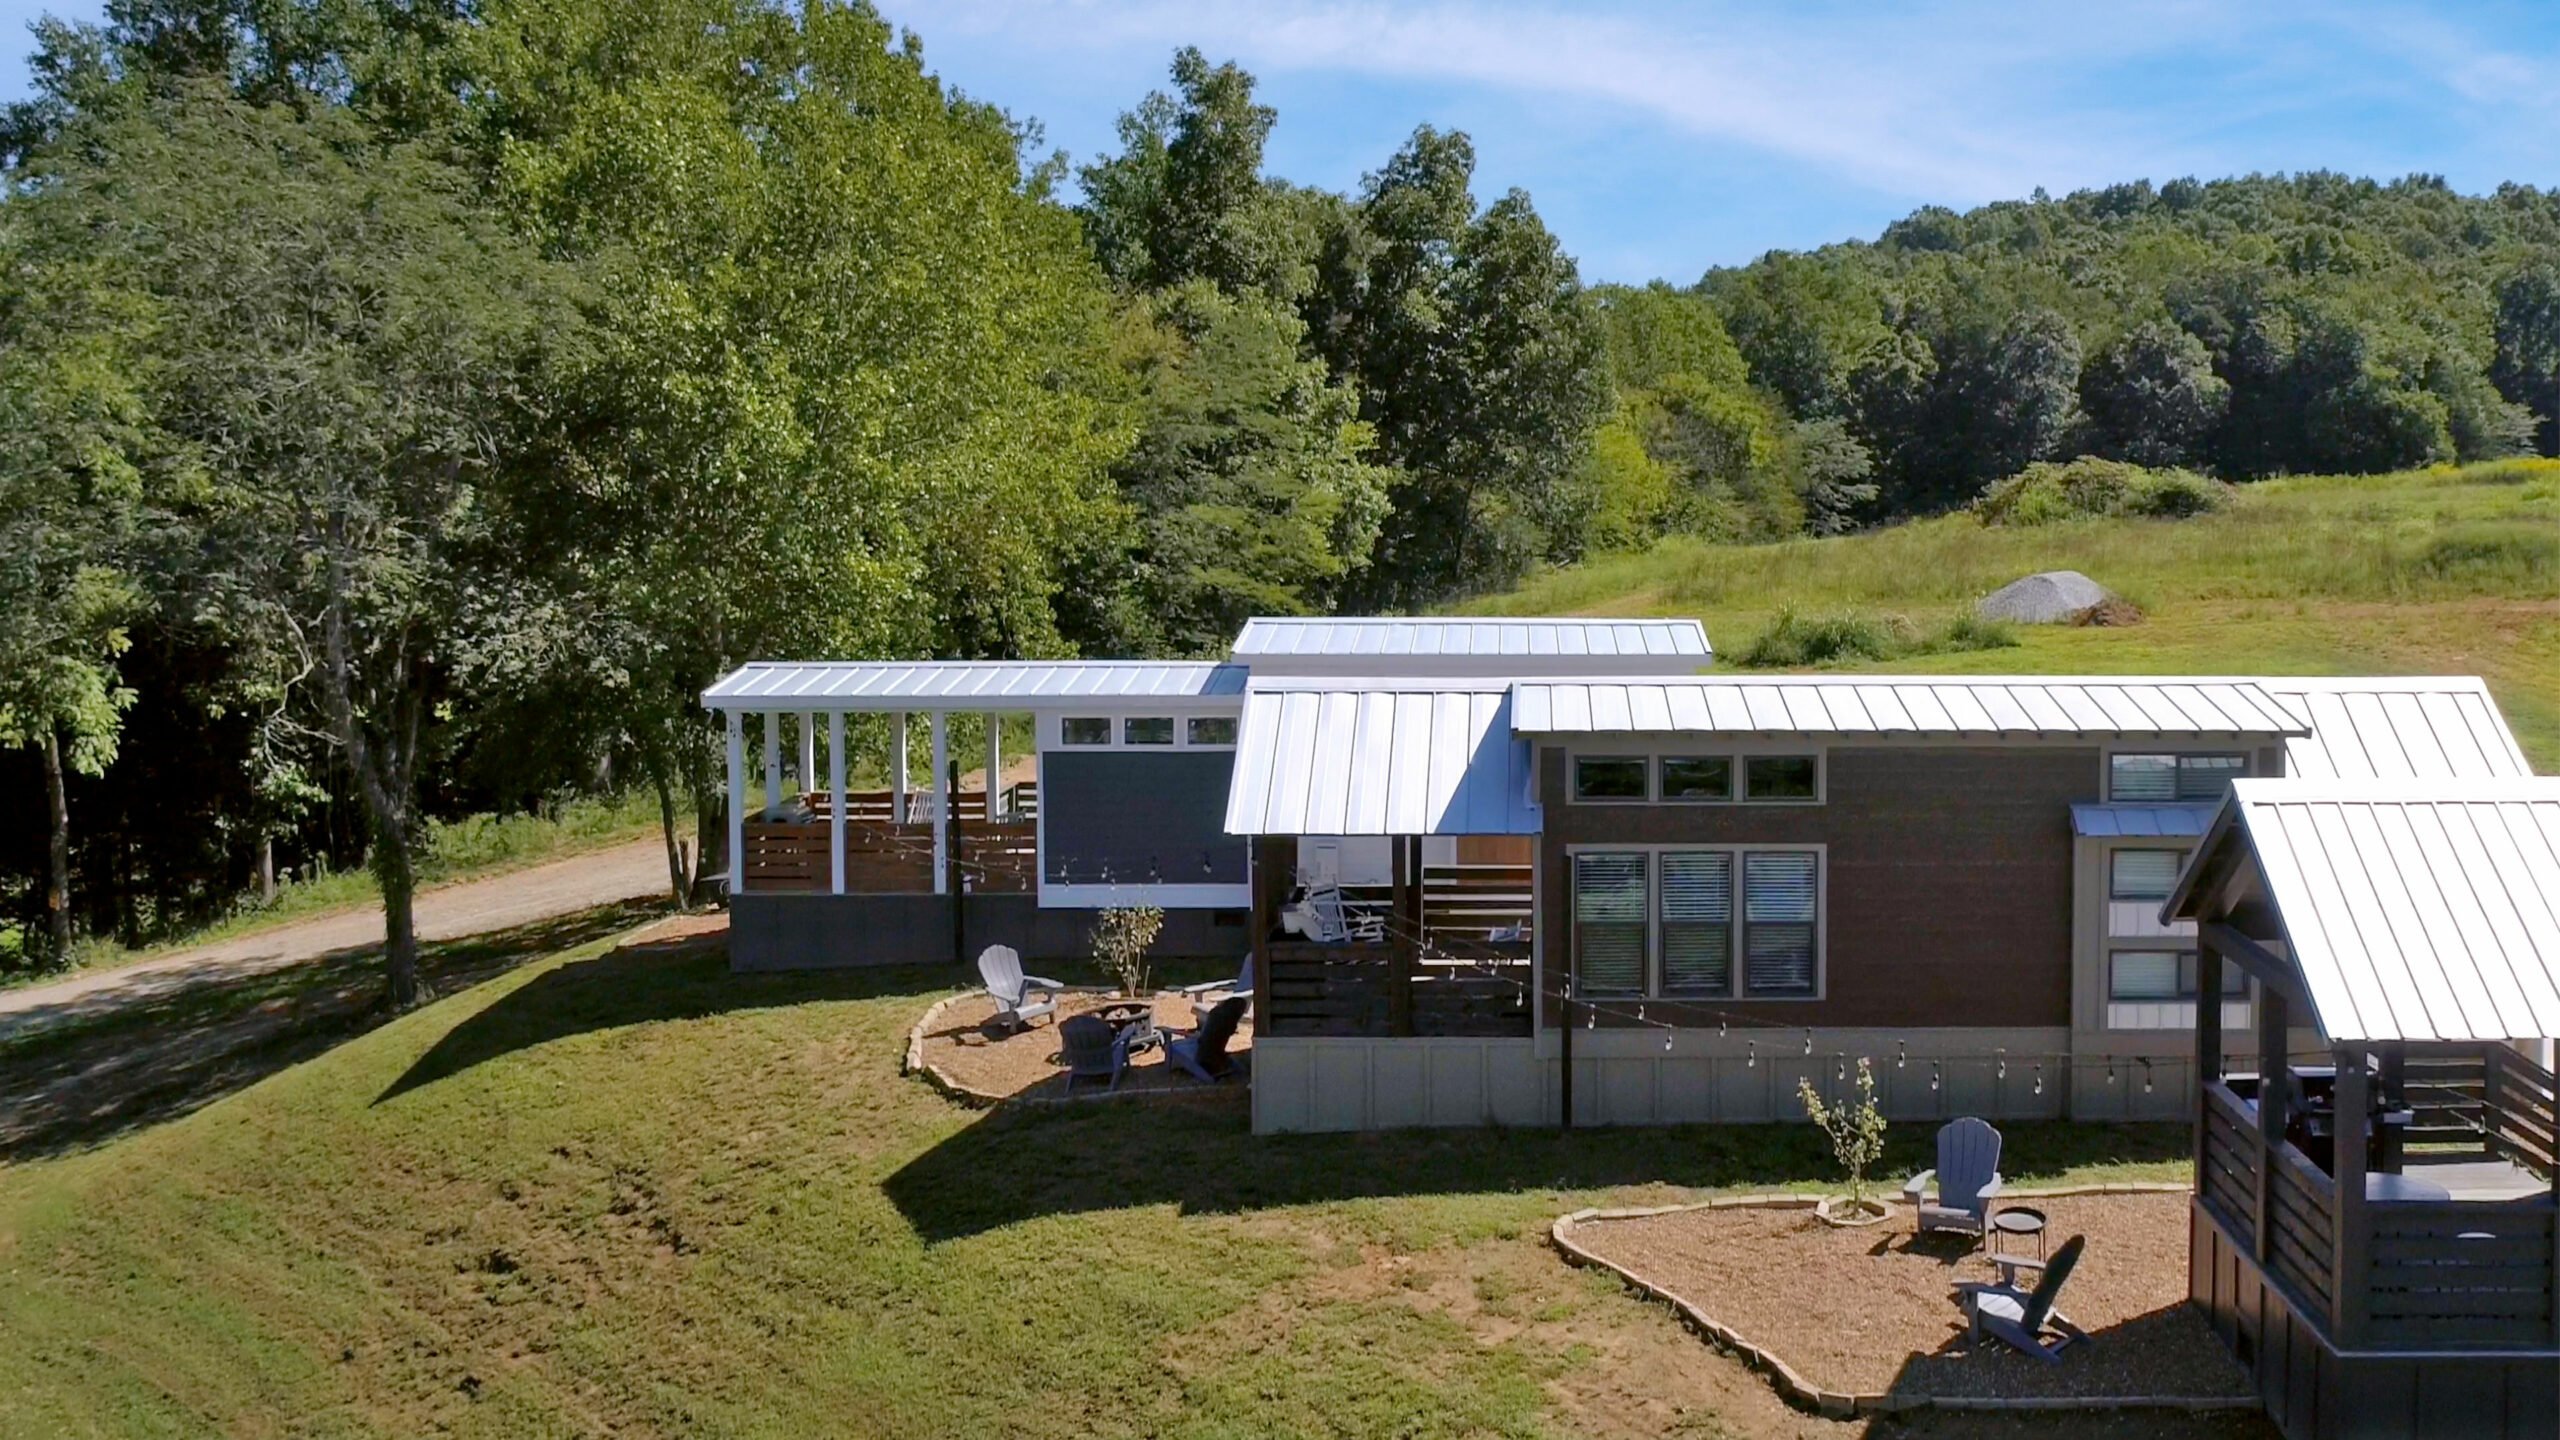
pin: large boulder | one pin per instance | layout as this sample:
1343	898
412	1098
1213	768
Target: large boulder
2056	597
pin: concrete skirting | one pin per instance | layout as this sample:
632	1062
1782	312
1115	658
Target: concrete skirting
1305	1083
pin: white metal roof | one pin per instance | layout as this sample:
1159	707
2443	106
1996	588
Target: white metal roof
1914	705
2119	821
2422	727
1490	648
1388	759
2413	910
928	685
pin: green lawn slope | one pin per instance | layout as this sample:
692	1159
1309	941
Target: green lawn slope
2448	571
622	1190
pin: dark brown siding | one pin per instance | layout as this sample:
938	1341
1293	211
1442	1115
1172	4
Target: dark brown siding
1949	875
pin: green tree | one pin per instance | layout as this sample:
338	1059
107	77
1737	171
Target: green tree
1248	471
341	349
1185	199
2527	337
71	486
1478	358
2151	396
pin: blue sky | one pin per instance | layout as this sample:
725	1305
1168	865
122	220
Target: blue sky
1660	139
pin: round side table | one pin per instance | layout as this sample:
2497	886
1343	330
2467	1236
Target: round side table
2015	1225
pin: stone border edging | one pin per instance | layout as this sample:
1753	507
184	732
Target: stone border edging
1835	1404
963	1093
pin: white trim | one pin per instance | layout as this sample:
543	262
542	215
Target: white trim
2184	746
772	758
1652	992
1165	897
737	728
941	731
1050	731
835	809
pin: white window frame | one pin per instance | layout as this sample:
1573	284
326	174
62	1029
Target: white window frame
1740	756
1741	993
1173	732
1182	736
1052	729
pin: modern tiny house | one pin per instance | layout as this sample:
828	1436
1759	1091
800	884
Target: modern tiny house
1532	871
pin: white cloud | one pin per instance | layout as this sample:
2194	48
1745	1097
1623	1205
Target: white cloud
1959	101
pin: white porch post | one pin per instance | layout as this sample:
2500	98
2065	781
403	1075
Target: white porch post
835	787
941	803
808	750
898	768
737	802
772	758
995	761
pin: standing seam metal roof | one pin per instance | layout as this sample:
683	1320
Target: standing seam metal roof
1901	704
2414	911
925	685
2119	821
1367	638
1380	760
2424	727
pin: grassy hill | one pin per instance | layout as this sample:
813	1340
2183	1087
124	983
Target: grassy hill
2449	571
624	1190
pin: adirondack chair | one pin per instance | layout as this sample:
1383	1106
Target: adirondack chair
1206	995
1967	1177
1000	966
1203	1052
2021	1318
1324	918
1091	1050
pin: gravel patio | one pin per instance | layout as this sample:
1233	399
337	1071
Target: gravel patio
971	1055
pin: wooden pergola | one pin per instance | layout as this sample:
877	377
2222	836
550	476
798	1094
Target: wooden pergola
2377	1225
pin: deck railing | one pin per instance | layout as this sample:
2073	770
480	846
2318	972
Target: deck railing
1377	989
2395	1274
884	857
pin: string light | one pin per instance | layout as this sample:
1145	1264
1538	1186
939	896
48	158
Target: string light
1723	1028
2111	1072
1901	1053
2039	1078
1808	1039
1936	1072
1750	1054
2004	1066
2146	1077
1840	1071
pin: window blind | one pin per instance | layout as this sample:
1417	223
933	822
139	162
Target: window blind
1609	921
1697	923
2144	874
1779	903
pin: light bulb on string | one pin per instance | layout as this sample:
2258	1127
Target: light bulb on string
2003	1072
2111	1072
1901	1053
1840	1070
1750	1054
2146	1077
1808	1040
1936	1071
2039	1078
1666	1040
1723	1028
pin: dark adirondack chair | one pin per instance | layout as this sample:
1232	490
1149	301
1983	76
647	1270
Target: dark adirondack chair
2022	1319
1967	1177
1092	1050
1203	1052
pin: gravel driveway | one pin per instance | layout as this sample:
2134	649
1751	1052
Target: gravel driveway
470	907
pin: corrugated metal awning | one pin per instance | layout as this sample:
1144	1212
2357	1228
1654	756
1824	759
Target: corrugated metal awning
1380	760
928	685
2110	822
1900	705
2411	910
1489	648
2416	727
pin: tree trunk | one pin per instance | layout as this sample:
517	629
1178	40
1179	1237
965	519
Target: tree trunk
266	869
394	871
679	873
57	882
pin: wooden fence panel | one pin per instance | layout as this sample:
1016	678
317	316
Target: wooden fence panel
2229	1182
2458	1273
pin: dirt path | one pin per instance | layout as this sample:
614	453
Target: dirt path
471	907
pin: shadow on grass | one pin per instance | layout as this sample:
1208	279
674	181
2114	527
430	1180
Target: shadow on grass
1022	1163
166	1054
680	978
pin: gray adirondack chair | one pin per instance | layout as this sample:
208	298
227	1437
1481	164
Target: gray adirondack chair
1090	1050
1206	995
2022	1319
1001	967
1967	1179
1202	1054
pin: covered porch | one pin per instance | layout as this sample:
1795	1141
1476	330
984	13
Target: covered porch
2377	1225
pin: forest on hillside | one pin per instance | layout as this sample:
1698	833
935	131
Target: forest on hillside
405	410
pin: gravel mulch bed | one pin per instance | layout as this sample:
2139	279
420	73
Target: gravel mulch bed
1873	1310
971	1054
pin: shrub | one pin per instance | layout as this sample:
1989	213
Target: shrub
1793	641
1120	939
2477	555
2050	491
1969	631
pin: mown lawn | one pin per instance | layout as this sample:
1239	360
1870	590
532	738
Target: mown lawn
623	1190
2432	572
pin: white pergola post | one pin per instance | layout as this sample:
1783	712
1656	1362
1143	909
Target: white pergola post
737	802
995	761
835	787
772	758
808	750
941	803
898	768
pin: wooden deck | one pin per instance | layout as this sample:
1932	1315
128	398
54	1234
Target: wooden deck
896	857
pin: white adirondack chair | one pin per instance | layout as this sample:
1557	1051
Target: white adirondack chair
1001	967
1206	995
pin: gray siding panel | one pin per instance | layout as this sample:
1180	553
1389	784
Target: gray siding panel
1138	817
828	932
